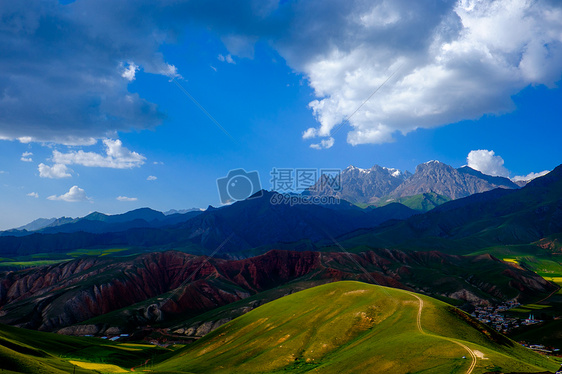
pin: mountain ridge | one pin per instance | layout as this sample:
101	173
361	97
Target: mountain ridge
378	185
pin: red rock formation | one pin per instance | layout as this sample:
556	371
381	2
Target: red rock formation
156	286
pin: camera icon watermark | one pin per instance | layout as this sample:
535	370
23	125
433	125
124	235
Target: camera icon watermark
239	185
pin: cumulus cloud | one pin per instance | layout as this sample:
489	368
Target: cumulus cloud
75	194
26	157
452	61
116	157
125	198
324	144
56	171
33	194
129	71
151	178
228	59
529	177
487	162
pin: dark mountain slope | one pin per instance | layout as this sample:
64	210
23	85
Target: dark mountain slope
246	225
494	181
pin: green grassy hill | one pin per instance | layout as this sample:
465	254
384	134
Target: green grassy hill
28	351
352	327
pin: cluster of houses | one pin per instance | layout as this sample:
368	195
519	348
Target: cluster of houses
493	316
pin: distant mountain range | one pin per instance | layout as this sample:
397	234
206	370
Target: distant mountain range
255	225
245	225
379	185
432	184
97	222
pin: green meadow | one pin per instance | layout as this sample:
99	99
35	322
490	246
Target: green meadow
357	328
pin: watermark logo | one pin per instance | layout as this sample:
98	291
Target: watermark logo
239	185
293	186
286	180
291	183
293	199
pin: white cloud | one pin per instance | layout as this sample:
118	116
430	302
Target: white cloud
129	71
116	157
324	144
75	194
56	171
228	59
151	178
125	198
459	63
529	177
26	157
487	162
33	194
310	133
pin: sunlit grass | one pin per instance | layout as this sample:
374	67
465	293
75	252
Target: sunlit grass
104	368
95	252
512	260
27	264
536	306
136	345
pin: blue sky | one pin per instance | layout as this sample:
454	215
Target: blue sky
91	117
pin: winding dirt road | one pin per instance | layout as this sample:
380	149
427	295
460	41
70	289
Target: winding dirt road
419	325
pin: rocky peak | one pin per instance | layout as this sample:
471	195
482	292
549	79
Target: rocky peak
440	178
366	186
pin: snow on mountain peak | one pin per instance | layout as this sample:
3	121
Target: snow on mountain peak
351	167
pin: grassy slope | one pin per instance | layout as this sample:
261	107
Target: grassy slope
351	327
423	202
27	351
